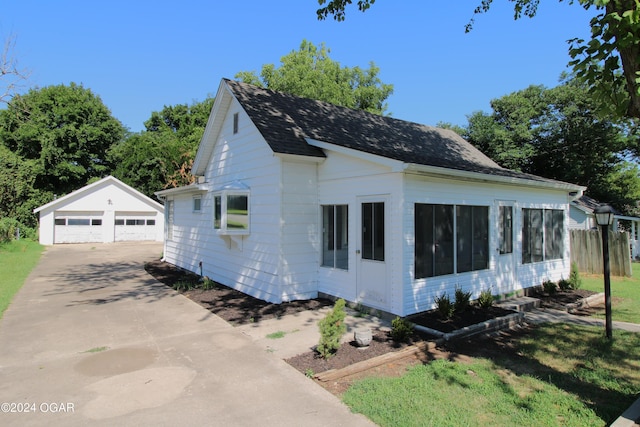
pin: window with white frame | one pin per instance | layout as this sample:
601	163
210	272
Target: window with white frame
542	235
231	211
335	236
505	230
197	204
169	219
236	120
450	238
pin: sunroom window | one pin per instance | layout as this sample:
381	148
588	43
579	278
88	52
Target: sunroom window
450	239
542	235
335	236
231	209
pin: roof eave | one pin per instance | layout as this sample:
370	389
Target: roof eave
186	189
497	179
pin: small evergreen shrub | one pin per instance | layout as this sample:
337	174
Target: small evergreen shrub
401	329
549	287
332	328
564	284
485	300
444	306
462	298
574	277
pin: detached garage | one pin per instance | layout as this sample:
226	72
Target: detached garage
105	211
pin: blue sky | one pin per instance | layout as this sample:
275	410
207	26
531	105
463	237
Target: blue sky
140	55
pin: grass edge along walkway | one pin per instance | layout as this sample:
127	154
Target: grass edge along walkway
17	259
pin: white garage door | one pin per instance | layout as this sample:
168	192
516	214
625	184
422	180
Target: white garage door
135	228
71	228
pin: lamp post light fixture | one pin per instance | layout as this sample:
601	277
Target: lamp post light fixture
604	217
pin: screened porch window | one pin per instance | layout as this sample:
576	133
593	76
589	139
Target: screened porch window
335	236
450	239
505	230
542	235
373	231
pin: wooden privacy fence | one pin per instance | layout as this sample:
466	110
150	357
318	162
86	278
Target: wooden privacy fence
586	252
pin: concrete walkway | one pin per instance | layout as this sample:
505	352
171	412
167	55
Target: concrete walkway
91	339
543	315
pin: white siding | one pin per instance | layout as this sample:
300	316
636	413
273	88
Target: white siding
249	263
579	220
300	231
341	180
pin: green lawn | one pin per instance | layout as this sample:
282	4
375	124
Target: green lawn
17	259
564	376
625	293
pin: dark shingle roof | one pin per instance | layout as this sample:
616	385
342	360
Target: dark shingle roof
587	203
286	120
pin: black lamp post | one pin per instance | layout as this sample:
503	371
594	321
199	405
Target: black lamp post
604	218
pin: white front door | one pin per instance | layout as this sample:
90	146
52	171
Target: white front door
372	281
506	258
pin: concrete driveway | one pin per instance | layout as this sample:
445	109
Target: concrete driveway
92	339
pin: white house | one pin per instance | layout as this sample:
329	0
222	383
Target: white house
104	211
582	217
297	198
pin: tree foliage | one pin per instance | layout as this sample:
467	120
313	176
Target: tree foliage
609	62
557	133
65	131
52	141
311	73
18	193
336	8
161	156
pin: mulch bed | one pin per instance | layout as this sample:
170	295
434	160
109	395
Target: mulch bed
560	299
231	305
348	354
238	308
471	316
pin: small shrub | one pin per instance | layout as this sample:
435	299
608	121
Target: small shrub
549	287
462	298
401	329
183	285
332	328
309	373
444	306
564	284
10	228
485	300
208	284
574	277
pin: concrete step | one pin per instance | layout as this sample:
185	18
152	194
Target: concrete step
520	304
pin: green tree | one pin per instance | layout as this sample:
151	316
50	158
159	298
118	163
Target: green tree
609	62
18	195
556	133
311	73
65	131
161	156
